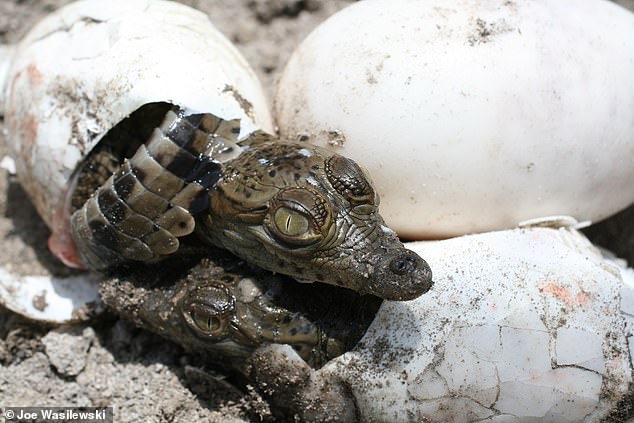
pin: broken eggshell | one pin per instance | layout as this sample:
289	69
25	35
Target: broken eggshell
521	325
6	51
89	65
472	115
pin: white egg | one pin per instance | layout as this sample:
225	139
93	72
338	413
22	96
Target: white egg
473	115
6	51
82	70
524	325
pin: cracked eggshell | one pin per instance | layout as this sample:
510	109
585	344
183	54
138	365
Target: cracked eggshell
521	325
473	115
50	299
89	65
79	72
6	51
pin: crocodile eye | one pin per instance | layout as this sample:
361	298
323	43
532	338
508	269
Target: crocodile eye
293	227
211	325
291	223
208	311
299	217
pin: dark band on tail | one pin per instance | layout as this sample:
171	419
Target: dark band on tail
139	213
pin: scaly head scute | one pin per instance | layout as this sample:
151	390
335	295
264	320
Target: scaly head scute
311	214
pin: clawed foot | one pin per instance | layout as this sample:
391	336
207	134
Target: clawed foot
294	388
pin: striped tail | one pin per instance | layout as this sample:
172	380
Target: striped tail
139	213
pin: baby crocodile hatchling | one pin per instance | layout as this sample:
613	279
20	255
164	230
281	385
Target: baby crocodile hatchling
225	311
295	209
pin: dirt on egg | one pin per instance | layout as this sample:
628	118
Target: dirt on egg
110	362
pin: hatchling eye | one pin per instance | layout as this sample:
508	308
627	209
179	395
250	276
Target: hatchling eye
291	223
298	217
208	311
206	321
208	324
294	227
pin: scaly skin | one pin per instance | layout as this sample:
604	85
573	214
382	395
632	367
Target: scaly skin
224	311
311	214
295	209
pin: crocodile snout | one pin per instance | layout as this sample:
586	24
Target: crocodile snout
400	275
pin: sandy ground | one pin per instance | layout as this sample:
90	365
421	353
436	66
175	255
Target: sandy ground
110	362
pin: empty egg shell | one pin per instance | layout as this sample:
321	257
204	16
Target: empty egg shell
473	115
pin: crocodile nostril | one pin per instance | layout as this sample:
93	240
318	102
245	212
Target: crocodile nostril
402	265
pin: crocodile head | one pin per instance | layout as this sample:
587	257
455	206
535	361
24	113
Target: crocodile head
229	314
311	214
225	311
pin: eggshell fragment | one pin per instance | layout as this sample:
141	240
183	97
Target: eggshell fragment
473	115
522	325
50	299
6	52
